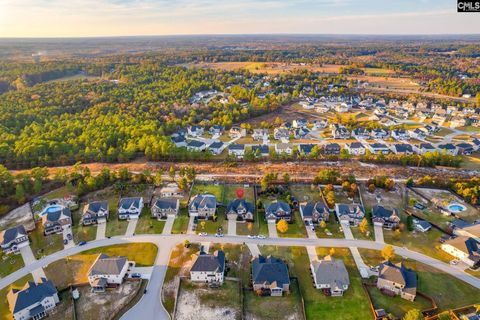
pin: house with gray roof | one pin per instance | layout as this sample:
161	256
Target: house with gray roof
278	210
196	145
241	210
237	150
209	268
13	239
95	212
314	211
203	206
33	301
397	279
270	276
385	217
352	213
261	150
165	207
464	248
216	147
55	218
179	141
130	208
108	272
330	275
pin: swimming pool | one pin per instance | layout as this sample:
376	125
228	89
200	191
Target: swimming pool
52	208
456	207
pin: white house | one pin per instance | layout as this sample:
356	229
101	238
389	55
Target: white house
343	107
330	274
377	148
237	132
260	134
202	206
33	301
13	239
448	148
237	150
130	208
108	272
284	148
465	249
355	148
400	134
196	145
195	131
216	147
95	212
208	268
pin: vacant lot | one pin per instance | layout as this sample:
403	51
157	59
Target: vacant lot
389	199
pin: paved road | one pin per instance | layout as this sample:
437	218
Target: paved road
150	306
29	258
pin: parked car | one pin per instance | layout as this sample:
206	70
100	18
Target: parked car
219	235
251	236
135	275
65	241
203	234
145	291
82	243
69	236
261	236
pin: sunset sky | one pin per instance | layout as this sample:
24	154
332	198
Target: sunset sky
73	18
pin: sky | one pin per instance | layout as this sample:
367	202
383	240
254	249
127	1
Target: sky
84	18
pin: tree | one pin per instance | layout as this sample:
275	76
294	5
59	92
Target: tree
444	316
371	188
286	178
202	224
330	198
323	224
363	226
157	179
186	243
20	193
413	314
282	226
397	233
388	252
332	251
410	225
409	182
250	227
171	173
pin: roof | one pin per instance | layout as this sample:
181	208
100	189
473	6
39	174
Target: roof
239	204
378	146
283	146
196	143
277	206
459	223
127	203
349	209
424	224
30	294
203	201
428	146
105	265
403	147
268	270
356	145
464	145
11	234
95	207
166	203
466	245
307	208
306	148
209	263
331	271
178	139
398	273
216	145
332	146
382	212
263	148
236	146
447	146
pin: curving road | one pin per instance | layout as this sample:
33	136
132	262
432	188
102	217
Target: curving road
150	306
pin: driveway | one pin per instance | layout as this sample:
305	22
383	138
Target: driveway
132	225
378	233
254	250
145	272
167	229
65	233
101	229
272	230
28	259
190	226
232	227
347	231
312	253
311	234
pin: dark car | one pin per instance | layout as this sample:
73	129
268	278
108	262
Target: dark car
145	291
82	243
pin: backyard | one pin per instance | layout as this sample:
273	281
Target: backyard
216	189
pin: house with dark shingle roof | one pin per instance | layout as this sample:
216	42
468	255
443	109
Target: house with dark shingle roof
216	147
385	217
305	149
236	149
108	272
278	210
355	148
263	150
314	211
33	301
397	279
448	148
241	210
130	208
165	207
423	148
203	206
179	141
466	249
377	148
330	275
465	148
13	239
55	218
95	212
209	268
402	148
352	213
196	145
270	274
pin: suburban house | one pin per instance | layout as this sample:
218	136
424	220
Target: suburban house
108	272
165	207
385	217
331	149
241	210
314	211
237	132
339	131
237	150
202	206
423	148
130	208
421	225
305	149
352	214
471	230
330	275
216	130
319	124
281	133
465	249
284	148
379	133
278	210
465	148
260	134
195	131
208	268
299	123
457	122
355	148
417	134
261	150
95	212
397	279
55	218
179	141
270	276
171	190
196	145
13	239
448	148
361	133
33	301
216	147
301	133
377	148
402	148
400	134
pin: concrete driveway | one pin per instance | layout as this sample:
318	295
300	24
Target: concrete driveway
378	233
232	227
272	230
65	233
101	230
190	226
167	229
28	259
132	225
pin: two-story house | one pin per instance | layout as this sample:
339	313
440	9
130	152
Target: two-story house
108	272
13	239
387	218
330	275
278	210
270	276
209	268
397	279
314	211
352	214
240	210
55	219
165	207
202	206
130	208
95	212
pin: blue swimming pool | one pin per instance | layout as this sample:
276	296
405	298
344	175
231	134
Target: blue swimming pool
456	207
52	208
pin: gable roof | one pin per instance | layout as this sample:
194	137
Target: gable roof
203	201
30	294
398	273
216	145
383	212
238	204
210	262
331	271
105	265
11	234
126	203
196	143
263	148
166	203
276	206
308	208
269	270
95	206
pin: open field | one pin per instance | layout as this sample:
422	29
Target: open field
79	76
231	192
471	162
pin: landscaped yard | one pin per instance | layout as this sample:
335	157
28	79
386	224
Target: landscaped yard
4	308
9	263
332	227
217	189
180	225
305	192
447	291
80	232
296	229
148	225
231	192
44	245
210	226
389	199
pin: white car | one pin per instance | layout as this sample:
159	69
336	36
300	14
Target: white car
203	234
261	236
251	236
454	262
219	235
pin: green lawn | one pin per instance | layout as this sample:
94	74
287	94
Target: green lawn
296	229
59	193
80	232
260	225
443	132
332	226
148	225
144	254
180	225
354	303
304	192
369	235
231	193
216	189
44	245
211	226
10	263
4	308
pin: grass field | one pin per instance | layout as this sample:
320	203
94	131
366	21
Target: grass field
180	224
471	162
216	189
303	192
144	254
80	232
148	225
73	77
44	245
4	308
231	193
10	263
